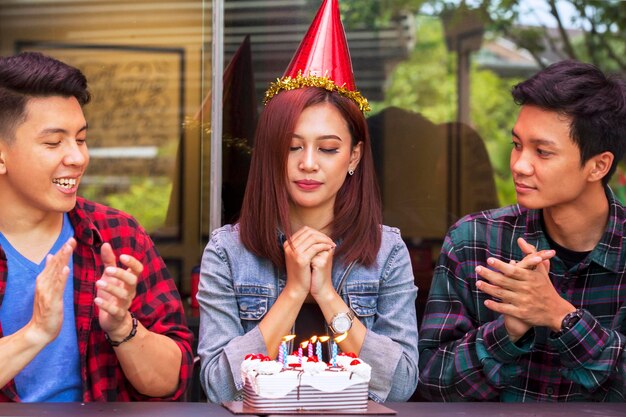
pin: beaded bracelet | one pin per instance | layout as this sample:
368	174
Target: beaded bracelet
132	333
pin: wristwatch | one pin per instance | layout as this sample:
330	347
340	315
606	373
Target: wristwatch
341	322
570	320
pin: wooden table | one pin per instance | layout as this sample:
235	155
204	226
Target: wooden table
410	409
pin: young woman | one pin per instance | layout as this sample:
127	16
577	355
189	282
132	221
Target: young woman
309	253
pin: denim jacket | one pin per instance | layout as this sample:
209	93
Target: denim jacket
237	288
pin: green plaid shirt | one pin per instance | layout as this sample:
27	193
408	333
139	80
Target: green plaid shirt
465	352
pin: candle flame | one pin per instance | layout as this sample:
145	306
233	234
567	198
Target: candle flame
313	339
288	337
323	339
304	344
341	337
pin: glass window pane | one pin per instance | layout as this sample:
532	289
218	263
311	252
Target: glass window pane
438	76
148	72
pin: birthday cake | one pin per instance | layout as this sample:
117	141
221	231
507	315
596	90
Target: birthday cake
305	383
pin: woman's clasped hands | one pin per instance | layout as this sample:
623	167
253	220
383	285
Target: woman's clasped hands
309	261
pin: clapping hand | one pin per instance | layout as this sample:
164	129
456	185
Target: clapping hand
526	295
50	285
116	290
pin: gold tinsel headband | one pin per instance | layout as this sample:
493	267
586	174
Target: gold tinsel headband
291	83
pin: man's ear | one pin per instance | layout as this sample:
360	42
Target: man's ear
600	165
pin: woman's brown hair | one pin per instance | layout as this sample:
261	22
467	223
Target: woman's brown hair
265	209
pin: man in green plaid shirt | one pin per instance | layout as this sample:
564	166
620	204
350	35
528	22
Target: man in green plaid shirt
528	302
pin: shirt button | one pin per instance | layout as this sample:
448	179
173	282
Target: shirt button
243	307
550	390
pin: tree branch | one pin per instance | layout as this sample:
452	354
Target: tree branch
567	44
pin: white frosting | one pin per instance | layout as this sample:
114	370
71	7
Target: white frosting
282	383
249	365
363	370
344	361
292	359
314	367
270	380
268	367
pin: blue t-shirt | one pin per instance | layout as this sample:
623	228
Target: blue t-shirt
54	374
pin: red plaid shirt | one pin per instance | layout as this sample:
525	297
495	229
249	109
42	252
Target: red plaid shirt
157	304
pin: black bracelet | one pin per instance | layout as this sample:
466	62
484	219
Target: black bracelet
132	333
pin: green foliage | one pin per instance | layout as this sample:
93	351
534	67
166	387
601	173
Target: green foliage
425	83
493	114
373	14
147	199
591	30
618	183
531	38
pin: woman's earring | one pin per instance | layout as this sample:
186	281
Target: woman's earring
351	171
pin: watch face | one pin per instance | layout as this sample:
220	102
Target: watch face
342	323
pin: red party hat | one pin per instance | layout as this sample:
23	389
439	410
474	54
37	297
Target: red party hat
322	59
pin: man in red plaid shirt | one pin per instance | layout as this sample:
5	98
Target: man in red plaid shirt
116	330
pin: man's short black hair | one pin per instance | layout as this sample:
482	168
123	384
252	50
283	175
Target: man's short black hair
595	102
32	74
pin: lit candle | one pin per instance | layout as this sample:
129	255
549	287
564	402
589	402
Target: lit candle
338	339
282	354
318	346
311	343
303	345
